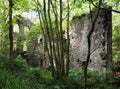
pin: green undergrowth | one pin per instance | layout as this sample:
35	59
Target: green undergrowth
24	77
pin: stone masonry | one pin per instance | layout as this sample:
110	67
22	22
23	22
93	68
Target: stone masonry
79	29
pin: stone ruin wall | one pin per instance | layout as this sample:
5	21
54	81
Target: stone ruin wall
79	29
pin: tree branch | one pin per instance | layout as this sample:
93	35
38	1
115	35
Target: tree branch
104	8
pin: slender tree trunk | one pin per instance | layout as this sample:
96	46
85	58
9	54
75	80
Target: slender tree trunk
89	43
49	38
61	36
109	65
58	39
68	40
11	34
52	39
53	36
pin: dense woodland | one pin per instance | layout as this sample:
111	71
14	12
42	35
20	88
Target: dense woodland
35	45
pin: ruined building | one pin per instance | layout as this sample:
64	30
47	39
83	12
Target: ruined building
101	41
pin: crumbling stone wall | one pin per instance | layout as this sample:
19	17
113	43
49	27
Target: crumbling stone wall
79	29
36	55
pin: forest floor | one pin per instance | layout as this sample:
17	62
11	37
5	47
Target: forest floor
25	77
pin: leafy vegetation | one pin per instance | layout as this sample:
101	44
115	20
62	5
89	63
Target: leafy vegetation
53	23
25	77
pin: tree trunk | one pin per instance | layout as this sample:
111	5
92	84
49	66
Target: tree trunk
53	35
68	40
10	34
109	65
49	38
61	39
89	42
